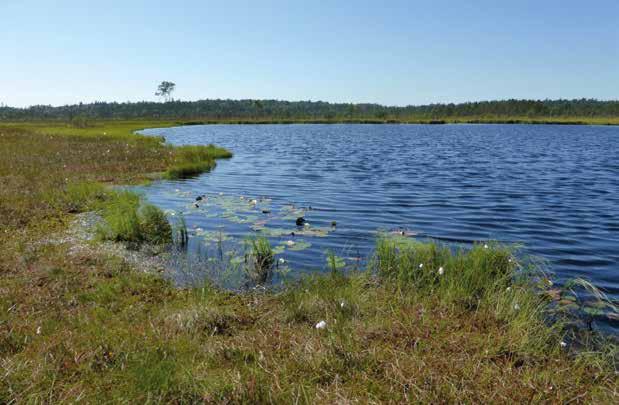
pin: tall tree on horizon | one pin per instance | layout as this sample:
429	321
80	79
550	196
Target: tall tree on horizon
165	90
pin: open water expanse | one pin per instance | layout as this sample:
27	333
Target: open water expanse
552	189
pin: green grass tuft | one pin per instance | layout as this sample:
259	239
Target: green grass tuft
261	260
128	219
192	160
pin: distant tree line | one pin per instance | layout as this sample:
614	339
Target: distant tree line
310	110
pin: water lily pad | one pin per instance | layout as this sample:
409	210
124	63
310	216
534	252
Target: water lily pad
313	232
300	245
215	236
279	249
291	213
274	232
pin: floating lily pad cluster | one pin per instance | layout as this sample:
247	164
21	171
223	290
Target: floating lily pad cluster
257	213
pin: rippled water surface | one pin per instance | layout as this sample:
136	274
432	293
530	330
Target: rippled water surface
554	189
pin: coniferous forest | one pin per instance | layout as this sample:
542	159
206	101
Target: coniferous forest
276	110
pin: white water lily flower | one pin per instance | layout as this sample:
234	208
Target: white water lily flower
282	260
321	325
221	193
290	243
253	202
441	271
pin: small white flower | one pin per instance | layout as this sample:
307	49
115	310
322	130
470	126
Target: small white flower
321	325
485	246
516	307
282	260
508	289
342	304
38	330
563	344
421	265
290	243
550	283
441	271
509	260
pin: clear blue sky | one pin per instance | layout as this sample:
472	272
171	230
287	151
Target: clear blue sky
390	52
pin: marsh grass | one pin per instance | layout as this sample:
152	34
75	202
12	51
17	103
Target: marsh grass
49	169
180	233
192	160
261	260
126	218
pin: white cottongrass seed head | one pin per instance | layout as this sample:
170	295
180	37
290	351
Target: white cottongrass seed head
321	325
441	271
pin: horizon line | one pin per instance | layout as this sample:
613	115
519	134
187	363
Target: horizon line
2	105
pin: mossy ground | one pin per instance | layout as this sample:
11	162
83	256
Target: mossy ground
89	328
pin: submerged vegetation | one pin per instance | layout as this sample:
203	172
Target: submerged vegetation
425	323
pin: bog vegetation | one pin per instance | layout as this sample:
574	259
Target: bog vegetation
425	323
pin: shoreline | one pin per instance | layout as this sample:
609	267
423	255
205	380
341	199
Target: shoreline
401	122
167	122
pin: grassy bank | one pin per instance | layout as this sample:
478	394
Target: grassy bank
425	324
41	164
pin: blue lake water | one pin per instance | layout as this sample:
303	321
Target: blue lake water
553	189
